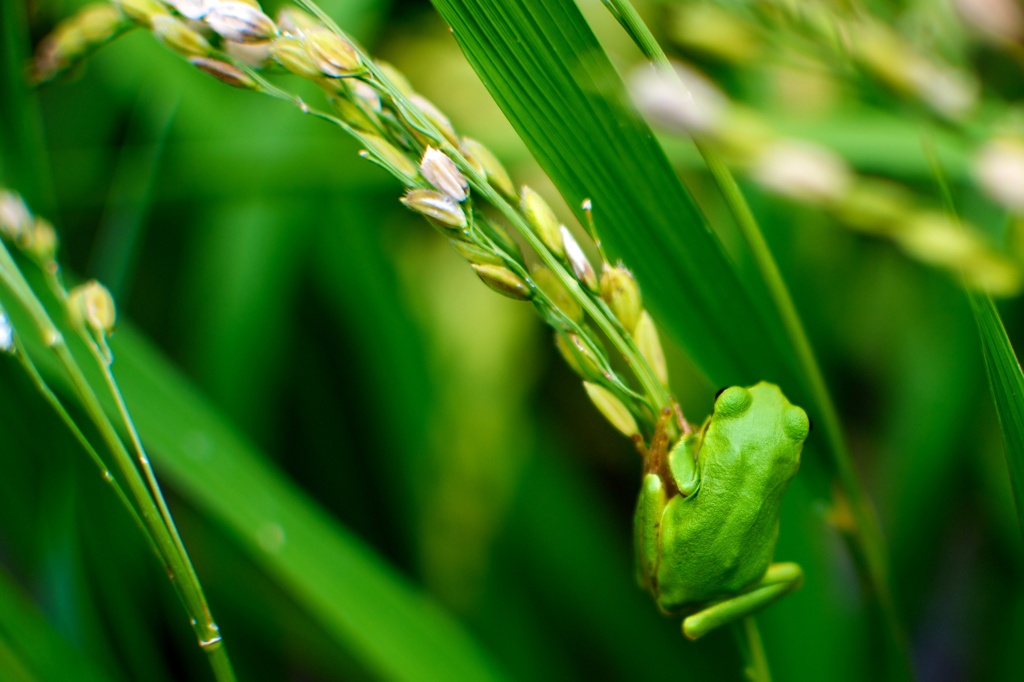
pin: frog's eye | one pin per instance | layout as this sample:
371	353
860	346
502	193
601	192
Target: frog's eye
732	401
721	391
796	423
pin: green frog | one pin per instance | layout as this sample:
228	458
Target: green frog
707	519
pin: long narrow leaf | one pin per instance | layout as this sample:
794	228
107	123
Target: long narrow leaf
1007	383
395	632
546	70
25	637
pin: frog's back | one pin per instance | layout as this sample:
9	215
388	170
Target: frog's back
721	539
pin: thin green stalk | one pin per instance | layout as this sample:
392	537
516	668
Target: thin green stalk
28	123
33	372
30	368
176	565
175	560
207	630
632	24
748	636
103	362
102	357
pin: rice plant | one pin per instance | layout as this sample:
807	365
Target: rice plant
377	467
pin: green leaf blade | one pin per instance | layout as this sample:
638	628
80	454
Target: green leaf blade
1007	384
396	632
546	70
31	649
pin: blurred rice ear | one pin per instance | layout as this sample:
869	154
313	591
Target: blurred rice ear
41	241
225	72
74	38
92	306
290	52
392	158
999	169
15	217
997	20
180	38
332	54
677	99
6	333
240	23
436	117
141	11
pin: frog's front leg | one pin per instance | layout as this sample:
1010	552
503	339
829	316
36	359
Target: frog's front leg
778	581
647	530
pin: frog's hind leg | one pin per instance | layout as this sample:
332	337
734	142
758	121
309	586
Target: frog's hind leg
650	507
778	581
651	503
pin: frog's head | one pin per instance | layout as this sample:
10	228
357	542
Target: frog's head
760	419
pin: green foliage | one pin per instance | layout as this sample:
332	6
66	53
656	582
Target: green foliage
1007	383
30	648
382	470
547	71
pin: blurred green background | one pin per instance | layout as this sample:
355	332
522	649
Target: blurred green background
351	351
